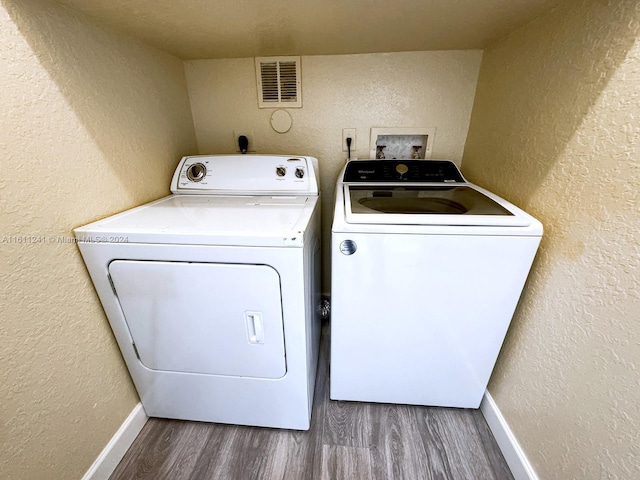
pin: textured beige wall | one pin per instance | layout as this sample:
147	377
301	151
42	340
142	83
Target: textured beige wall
92	123
556	129
416	89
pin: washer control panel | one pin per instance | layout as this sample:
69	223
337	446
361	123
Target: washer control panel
418	171
254	174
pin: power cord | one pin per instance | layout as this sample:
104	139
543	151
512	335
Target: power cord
243	143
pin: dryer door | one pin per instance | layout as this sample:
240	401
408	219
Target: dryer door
207	318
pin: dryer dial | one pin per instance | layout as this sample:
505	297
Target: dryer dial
196	172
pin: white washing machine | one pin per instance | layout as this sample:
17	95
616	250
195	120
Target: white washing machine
427	270
213	292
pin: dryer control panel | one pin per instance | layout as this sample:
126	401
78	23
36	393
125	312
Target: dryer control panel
246	174
419	171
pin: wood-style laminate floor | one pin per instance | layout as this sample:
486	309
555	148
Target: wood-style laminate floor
347	440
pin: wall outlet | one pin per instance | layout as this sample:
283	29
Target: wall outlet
349	133
250	137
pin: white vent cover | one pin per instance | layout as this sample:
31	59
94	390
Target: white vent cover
278	82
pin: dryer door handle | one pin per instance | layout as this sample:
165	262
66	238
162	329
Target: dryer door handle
255	327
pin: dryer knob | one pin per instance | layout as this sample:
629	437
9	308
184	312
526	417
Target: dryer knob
196	172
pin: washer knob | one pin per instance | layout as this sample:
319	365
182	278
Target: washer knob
196	172
401	168
281	171
299	172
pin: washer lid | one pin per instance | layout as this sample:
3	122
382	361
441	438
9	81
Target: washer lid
208	220
429	204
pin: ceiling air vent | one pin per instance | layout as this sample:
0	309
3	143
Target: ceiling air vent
278	82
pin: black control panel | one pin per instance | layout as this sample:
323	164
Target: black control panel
435	171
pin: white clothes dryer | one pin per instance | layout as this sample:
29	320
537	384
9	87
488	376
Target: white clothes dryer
213	292
427	270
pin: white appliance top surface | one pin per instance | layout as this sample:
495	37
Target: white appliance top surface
259	220
386	196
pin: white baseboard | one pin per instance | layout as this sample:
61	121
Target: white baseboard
111	455
511	450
